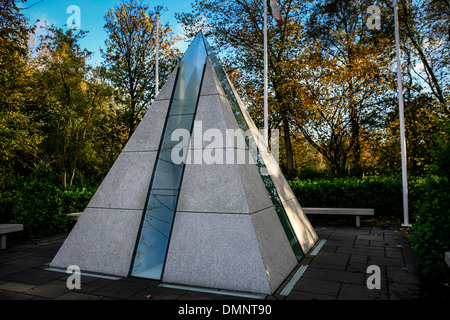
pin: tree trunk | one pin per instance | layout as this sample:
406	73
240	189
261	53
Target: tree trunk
81	181
72	177
64	180
131	118
356	144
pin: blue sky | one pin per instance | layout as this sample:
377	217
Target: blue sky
92	14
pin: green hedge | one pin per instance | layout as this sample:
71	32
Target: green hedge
76	200
37	202
380	193
430	235
8	196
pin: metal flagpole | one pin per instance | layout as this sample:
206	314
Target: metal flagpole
402	119
157	56
266	98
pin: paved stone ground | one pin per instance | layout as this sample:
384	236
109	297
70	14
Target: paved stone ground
337	272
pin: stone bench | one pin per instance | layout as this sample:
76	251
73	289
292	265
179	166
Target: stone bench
8	228
74	216
358	212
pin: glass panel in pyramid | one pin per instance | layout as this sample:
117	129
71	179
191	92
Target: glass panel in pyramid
151	248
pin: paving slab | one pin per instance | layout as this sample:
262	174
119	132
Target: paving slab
403	277
94	285
301	295
370	237
52	289
332	258
16	286
357	267
341	242
122	289
400	291
362	243
358	258
394	253
382	261
361	292
334	275
7	269
30	261
75	295
329	248
330	288
10	255
33	276
325	266
160	293
9	295
375	252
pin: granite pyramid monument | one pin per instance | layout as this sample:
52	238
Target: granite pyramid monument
233	224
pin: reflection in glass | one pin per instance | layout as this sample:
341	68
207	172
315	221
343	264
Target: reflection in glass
156	225
155	232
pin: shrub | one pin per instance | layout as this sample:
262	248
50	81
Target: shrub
39	205
37	201
430	235
76	200
8	196
310	174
